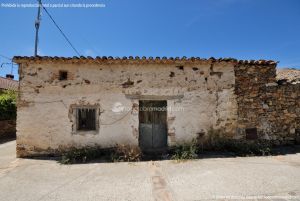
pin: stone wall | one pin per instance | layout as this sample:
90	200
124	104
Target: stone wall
281	104
203	92
7	129
266	109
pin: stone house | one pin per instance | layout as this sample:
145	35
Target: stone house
150	102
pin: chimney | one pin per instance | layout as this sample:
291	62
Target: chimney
10	76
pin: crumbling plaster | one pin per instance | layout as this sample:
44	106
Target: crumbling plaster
204	93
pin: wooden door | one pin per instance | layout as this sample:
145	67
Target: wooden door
153	125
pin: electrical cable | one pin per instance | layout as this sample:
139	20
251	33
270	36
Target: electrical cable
60	30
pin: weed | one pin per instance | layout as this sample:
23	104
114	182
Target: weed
215	141
185	151
81	155
259	148
126	153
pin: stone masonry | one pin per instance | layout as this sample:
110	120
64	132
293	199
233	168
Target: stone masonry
270	106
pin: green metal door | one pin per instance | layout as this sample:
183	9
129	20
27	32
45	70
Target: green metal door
153	125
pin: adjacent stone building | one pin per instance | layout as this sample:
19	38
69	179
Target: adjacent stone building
150	102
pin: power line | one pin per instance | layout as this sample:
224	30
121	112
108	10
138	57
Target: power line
61	31
11	63
11	66
5	57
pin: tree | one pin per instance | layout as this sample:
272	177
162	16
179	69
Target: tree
8	105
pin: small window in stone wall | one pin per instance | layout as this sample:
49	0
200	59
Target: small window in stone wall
297	132
251	134
63	75
86	119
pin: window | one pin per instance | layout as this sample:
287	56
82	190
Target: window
63	75
251	134
86	119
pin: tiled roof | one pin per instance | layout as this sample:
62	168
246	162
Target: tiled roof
8	84
288	74
131	59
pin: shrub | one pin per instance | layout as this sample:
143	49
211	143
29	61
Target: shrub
258	148
217	142
126	153
81	155
7	105
185	151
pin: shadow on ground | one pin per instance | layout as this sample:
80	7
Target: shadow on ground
107	158
4	140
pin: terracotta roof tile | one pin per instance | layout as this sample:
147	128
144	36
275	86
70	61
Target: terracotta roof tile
8	84
143	59
288	74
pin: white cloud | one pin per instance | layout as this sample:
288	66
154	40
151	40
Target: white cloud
89	52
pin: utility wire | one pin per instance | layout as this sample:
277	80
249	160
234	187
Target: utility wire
61	31
10	63
5	57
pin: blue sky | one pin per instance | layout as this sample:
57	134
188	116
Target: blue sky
243	29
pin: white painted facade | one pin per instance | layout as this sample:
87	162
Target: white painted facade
202	92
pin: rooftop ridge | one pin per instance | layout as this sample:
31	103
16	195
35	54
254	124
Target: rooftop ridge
21	59
6	83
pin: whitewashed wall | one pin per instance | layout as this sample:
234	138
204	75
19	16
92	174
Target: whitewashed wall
204	94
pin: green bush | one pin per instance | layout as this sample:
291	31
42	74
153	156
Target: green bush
217	142
81	155
185	151
8	105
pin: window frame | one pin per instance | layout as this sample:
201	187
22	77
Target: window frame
75	119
